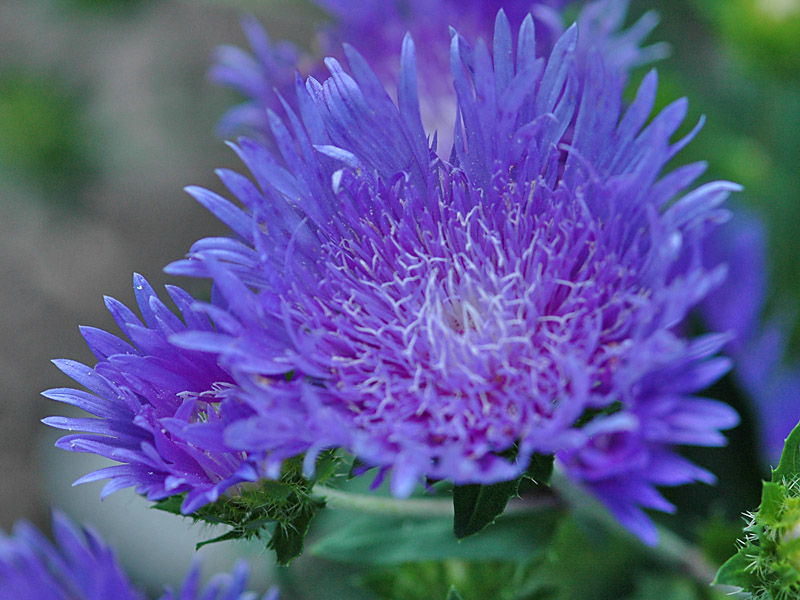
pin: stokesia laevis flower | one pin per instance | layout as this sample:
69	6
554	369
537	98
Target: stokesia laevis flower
156	405
376	30
448	319
80	566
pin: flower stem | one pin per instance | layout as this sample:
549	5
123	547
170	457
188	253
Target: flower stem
413	507
374	504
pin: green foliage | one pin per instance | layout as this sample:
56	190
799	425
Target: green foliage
717	535
589	562
283	509
767	564
666	587
453	580
761	32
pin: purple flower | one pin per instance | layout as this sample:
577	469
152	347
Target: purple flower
772	386
157	406
436	318
80	566
736	306
376	30
255	76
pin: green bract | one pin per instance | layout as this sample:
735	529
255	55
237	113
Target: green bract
767	564
282	509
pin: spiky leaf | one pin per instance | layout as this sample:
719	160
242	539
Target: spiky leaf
735	572
789	466
477	506
281	509
766	565
541	468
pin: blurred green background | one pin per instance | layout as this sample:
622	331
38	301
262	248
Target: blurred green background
106	113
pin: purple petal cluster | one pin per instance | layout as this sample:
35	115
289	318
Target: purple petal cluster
80	566
156	405
377	29
429	22
256	76
757	350
448	319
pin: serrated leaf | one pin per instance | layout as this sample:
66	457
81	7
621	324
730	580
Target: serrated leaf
789	465
171	505
231	535
477	506
328	465
280	509
288	540
453	594
734	572
772	496
391	540
541	468
276	491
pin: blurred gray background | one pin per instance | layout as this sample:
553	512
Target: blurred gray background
105	115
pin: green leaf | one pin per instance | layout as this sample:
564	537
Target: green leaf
541	468
391	540
288	539
735	572
231	535
772	496
477	506
453	595
789	466
329	465
170	505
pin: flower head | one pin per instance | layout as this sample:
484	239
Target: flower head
80	566
157	405
377	29
447	319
